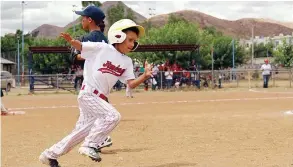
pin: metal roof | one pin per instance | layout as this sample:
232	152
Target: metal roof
141	48
5	61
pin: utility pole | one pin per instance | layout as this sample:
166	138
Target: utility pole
18	71
22	47
73	10
252	45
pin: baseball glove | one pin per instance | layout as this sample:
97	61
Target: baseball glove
74	53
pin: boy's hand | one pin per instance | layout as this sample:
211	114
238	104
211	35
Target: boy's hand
148	69
66	36
75	43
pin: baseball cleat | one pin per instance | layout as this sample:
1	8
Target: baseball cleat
90	152
47	161
106	143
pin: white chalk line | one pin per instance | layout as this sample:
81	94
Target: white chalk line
162	102
257	91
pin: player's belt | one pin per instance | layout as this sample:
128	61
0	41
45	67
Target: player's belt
102	96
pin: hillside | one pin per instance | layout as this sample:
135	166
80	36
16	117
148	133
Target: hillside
286	24
239	28
51	31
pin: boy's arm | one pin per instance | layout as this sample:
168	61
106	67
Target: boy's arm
146	75
75	43
86	48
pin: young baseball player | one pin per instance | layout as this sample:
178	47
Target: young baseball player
108	65
93	22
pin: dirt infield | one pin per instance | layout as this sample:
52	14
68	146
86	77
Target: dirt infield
160	129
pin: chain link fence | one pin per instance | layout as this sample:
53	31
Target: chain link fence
180	79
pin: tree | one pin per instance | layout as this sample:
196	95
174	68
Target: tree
130	14
175	19
49	63
116	13
179	31
284	55
223	52
87	3
79	31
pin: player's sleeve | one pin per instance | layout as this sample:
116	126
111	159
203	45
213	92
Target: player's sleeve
128	74
90	49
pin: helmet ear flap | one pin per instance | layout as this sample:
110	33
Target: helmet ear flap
135	46
116	37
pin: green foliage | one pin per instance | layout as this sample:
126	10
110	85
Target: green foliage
176	31
284	55
180	31
117	12
78	31
130	14
87	3
49	63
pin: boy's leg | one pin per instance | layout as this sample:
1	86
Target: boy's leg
81	130
108	119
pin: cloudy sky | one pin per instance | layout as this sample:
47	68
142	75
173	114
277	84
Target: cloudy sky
60	13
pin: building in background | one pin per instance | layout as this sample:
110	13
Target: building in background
276	40
7	65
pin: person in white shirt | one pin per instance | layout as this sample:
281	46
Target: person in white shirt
108	65
78	76
266	73
169	78
155	77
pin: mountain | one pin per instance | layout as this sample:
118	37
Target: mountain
286	24
47	31
51	31
240	28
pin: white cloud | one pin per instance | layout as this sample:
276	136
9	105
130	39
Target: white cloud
60	13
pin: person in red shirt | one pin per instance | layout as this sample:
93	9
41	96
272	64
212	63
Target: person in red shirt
185	78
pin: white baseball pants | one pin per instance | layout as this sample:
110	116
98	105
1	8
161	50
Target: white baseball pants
97	119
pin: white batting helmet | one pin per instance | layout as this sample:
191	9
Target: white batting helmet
115	34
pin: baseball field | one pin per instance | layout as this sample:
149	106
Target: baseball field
222	128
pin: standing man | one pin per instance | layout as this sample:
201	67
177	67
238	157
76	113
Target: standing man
266	73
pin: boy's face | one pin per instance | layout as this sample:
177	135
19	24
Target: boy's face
127	45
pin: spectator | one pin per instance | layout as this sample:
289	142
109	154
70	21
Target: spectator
266	73
169	77
220	80
128	91
3	109
155	71
185	78
78	77
177	83
118	86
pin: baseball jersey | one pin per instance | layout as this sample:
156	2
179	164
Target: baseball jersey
105	66
94	36
266	69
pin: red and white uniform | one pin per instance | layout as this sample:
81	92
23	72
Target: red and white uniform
105	66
